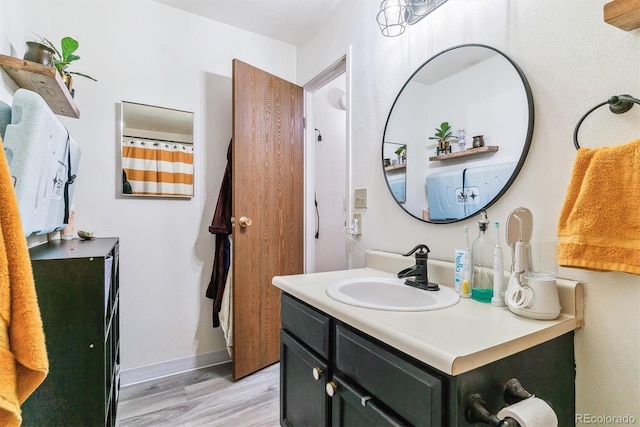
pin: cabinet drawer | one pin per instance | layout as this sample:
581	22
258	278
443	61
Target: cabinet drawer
404	387
352	407
308	324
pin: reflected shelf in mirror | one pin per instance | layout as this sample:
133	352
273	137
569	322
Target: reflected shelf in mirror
467	152
392	168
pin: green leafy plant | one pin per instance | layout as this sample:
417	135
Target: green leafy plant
65	55
443	133
401	149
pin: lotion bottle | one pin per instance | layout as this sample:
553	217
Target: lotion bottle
465	261
67	232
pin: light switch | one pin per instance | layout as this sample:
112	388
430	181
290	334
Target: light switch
360	198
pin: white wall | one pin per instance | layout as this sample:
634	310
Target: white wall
145	52
330	176
573	60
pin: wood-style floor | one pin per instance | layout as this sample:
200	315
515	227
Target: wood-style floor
204	397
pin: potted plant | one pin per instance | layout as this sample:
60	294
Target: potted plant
443	135
401	152
64	56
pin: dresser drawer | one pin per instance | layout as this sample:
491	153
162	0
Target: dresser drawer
308	324
407	389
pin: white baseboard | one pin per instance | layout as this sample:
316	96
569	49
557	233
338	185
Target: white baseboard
172	367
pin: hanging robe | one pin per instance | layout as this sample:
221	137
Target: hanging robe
221	228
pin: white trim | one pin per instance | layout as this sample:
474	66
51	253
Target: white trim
309	184
172	367
328	74
349	152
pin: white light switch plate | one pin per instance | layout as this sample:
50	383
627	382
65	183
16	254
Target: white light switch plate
360	198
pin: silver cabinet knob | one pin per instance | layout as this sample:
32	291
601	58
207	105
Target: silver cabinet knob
317	373
331	388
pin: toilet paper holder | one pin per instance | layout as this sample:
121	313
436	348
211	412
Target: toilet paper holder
476	410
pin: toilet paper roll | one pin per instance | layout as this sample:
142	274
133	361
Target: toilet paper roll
531	412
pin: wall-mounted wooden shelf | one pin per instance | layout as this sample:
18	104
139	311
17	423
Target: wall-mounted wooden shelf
624	14
465	153
394	168
46	81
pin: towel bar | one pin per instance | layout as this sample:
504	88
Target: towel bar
617	105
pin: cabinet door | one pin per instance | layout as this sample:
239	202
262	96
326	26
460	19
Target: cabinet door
352	407
303	401
71	297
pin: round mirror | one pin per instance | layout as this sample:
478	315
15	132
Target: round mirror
457	134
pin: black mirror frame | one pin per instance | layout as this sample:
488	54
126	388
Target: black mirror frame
525	148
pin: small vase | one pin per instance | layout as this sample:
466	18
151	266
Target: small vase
478	141
40	53
68	80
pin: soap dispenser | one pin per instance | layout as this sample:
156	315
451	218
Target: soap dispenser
482	261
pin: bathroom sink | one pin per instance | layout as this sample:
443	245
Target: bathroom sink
388	293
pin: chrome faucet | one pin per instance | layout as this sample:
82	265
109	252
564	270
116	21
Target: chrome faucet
417	276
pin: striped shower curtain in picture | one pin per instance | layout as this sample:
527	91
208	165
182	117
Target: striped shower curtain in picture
158	168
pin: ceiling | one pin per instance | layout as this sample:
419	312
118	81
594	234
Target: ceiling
290	21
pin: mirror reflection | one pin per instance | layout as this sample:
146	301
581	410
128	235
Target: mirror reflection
395	168
156	147
464	121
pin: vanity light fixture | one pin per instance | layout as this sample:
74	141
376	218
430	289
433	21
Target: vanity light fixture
394	15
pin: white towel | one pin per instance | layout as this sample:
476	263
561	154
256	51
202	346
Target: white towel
226	308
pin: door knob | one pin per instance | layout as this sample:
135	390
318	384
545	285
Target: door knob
331	388
317	373
245	221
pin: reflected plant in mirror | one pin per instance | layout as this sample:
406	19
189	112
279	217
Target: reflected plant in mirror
443	135
470	89
395	166
156	151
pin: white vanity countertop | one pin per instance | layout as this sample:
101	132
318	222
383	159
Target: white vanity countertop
454	340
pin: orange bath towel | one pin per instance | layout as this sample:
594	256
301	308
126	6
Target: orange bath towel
23	356
599	226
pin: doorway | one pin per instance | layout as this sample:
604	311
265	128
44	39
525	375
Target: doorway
326	169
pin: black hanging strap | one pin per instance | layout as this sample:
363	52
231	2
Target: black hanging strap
70	179
315	201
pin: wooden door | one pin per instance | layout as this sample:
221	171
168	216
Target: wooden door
267	207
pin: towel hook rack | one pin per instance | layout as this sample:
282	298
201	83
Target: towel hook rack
617	105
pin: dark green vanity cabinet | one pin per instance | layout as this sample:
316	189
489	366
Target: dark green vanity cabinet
304	351
371	383
77	283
